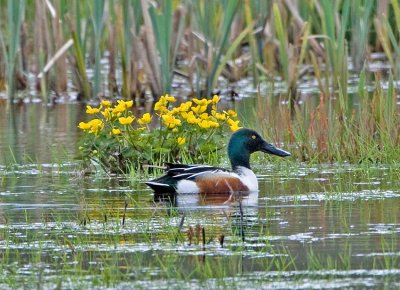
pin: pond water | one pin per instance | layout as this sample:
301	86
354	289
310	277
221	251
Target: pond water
326	226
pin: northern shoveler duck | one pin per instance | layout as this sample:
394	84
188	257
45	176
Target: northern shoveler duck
182	178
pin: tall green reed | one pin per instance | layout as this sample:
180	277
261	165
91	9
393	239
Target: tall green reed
360	12
11	43
78	60
214	20
97	13
335	39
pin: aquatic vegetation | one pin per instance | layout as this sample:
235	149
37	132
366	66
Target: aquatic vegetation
355	128
127	48
193	131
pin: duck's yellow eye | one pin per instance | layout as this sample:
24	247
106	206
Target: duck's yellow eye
253	137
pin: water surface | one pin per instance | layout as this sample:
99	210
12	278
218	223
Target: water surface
327	226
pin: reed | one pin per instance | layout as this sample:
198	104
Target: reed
360	28
97	14
11	42
337	130
203	42
167	36
209	15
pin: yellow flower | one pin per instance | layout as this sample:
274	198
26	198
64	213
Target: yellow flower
116	131
199	109
181	140
185	115
122	106
191	119
215	99
170	98
161	105
184	107
84	126
220	116
175	111
234	125
204	116
96	125
205	124
146	118
107	113
213	124
231	113
202	102
126	120
170	121
106	103
128	104
118	109
92	111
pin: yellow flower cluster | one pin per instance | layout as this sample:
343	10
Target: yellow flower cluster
93	126
114	117
198	115
195	112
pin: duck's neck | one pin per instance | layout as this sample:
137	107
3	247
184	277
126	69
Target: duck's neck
239	158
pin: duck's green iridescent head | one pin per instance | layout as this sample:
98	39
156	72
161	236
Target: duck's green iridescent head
246	141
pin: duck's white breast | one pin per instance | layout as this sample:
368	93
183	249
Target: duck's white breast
248	178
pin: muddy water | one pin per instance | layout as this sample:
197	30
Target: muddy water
326	226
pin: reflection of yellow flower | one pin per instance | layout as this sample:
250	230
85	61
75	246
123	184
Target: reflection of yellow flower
92	111
146	118
234	125
181	140
170	121
126	120
116	131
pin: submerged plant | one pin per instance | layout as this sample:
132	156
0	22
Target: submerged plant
193	131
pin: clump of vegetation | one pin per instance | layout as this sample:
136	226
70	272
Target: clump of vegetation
364	129
193	131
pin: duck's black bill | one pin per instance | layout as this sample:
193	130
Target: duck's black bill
271	149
